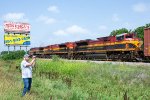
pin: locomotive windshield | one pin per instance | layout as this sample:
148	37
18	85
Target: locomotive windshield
119	38
129	36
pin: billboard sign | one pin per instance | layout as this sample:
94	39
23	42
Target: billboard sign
16	27
16	39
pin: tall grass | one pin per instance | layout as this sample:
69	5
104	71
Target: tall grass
100	81
71	80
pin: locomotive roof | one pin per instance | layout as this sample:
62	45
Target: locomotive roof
121	34
87	40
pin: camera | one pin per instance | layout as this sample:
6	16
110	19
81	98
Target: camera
33	56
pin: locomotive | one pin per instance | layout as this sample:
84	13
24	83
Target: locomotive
124	47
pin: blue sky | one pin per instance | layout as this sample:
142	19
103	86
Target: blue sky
59	21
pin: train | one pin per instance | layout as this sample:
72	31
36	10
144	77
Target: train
123	47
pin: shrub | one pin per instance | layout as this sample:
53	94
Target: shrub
12	55
4	52
55	58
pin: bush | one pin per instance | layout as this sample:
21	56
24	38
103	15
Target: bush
55	58
12	55
4	52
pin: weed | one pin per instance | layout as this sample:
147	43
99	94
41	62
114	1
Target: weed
69	80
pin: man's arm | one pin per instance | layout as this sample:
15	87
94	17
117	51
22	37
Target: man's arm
31	63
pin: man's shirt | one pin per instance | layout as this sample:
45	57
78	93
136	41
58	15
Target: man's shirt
26	70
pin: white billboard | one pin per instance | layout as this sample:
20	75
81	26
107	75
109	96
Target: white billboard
16	27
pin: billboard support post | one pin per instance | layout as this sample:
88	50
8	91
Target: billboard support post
14	48
8	49
26	49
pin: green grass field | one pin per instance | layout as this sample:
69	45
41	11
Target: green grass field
69	80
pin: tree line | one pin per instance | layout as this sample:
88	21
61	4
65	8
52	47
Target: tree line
12	55
139	31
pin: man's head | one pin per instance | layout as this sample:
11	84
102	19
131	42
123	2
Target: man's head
26	57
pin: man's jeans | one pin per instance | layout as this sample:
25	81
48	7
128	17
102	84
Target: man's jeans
27	85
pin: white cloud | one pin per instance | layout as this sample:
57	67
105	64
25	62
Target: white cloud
46	19
115	18
53	9
60	32
74	29
15	17
140	7
103	28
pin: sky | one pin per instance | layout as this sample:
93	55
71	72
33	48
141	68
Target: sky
60	21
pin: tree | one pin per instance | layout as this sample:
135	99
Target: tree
140	31
119	31
147	25
12	55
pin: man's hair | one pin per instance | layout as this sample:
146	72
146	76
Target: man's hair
26	55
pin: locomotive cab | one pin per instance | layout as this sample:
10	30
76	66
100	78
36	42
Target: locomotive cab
130	36
119	37
125	36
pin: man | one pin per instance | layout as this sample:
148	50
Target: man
26	68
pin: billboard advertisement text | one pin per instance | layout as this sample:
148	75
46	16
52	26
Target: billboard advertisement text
16	39
16	27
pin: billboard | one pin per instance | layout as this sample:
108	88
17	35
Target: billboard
16	27
16	39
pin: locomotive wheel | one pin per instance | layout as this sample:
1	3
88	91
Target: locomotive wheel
128	57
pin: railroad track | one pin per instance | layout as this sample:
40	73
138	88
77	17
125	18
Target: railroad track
144	63
117	62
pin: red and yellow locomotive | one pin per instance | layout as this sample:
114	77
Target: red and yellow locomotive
121	47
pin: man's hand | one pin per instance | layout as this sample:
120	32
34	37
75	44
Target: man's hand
33	57
32	63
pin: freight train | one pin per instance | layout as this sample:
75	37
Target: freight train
124	47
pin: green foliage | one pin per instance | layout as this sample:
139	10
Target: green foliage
119	31
12	55
55	58
140	31
89	81
4	52
96	81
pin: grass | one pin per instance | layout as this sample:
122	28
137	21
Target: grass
59	79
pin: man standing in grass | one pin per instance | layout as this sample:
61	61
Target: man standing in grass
26	68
